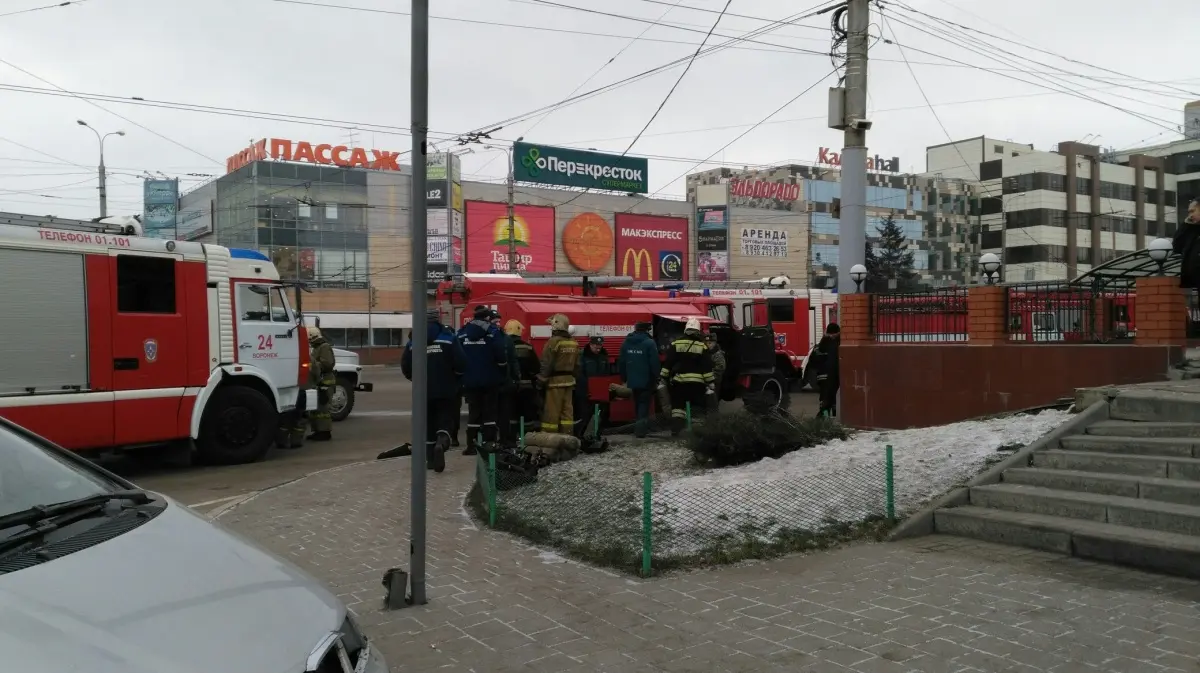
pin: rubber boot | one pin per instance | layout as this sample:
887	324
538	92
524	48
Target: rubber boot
439	452
322	436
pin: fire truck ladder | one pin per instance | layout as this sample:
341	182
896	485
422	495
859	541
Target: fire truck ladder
764	284
52	222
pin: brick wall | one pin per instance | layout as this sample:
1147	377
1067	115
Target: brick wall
887	385
1160	311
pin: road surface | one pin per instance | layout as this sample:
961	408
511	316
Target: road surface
380	421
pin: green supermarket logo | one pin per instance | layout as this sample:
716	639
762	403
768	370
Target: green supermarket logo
535	163
530	161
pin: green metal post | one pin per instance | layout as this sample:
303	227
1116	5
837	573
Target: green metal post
522	432
689	415
890	484
491	494
596	421
647	523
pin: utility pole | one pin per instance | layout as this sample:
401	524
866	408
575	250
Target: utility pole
848	111
419	82
514	260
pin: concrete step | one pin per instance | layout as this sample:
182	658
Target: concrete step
1151	550
1163	467
1180	491
1136	512
1155	405
1144	429
1178	447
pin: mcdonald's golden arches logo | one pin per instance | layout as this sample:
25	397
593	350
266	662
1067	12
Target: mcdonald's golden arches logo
637	256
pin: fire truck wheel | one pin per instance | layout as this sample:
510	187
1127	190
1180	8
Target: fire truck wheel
769	390
341	403
238	427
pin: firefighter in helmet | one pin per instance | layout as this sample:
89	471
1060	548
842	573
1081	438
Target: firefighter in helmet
323	360
528	365
559	358
688	368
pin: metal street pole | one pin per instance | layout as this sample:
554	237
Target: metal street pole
852	228
419	95
103	178
513	259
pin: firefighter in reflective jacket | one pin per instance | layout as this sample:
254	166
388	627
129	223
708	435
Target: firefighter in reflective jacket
528	365
319	419
688	368
558	376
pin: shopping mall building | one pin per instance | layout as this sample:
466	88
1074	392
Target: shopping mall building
785	219
337	219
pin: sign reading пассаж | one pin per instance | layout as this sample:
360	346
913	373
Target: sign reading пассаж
577	168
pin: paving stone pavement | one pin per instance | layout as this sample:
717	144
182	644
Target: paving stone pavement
930	605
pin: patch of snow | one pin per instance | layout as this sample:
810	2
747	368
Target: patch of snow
839	482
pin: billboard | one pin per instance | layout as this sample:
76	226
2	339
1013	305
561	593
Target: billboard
652	247
587	242
488	241
160	208
578	168
437	222
712	265
764	242
712	228
437	249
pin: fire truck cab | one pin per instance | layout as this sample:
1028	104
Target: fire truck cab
116	341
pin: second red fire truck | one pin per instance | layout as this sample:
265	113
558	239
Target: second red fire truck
114	340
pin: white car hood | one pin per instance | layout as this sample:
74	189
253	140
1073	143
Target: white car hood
345	357
176	595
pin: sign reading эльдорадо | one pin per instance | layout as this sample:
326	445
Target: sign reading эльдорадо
578	168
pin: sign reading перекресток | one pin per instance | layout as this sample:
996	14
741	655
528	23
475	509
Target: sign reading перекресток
578	168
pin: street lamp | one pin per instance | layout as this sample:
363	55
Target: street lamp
990	262
858	273
1159	249
103	183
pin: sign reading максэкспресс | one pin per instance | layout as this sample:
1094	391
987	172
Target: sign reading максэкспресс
577	168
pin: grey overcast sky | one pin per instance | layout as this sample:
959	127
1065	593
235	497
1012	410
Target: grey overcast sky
499	59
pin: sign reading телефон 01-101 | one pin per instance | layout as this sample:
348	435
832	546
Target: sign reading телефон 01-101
578	168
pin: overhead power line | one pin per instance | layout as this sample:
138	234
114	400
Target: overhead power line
1026	45
56	5
118	116
1146	118
741	135
954	35
821	8
591	77
675	86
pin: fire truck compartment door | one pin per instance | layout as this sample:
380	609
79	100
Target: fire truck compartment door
149	346
757	347
45	337
265	338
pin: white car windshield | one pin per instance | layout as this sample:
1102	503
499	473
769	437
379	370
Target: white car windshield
31	475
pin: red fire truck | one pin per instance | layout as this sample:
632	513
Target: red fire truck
798	317
113	340
608	307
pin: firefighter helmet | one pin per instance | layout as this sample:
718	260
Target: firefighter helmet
513	327
559	321
692	324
